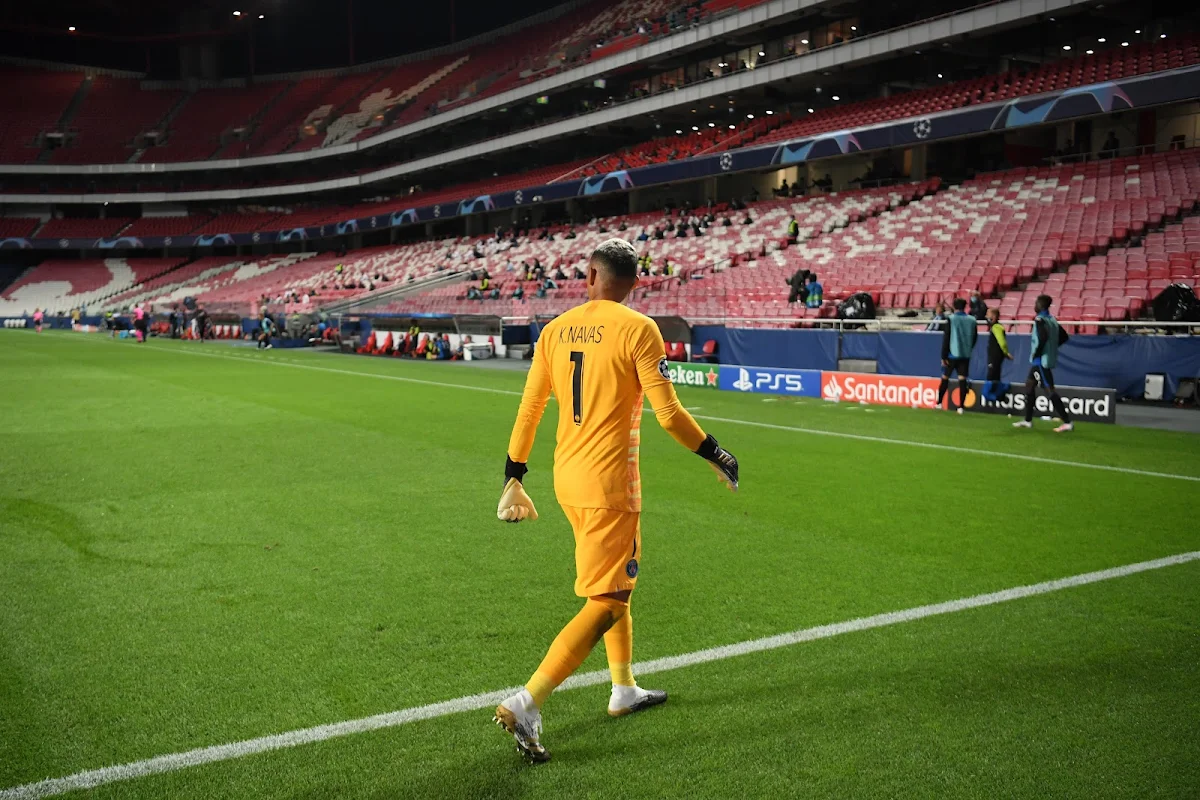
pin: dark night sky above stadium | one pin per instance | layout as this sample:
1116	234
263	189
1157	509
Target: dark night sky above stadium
145	35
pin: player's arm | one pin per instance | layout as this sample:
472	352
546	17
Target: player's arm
515	504
946	326
1042	334
650	357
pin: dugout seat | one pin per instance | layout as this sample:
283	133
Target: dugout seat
707	354
384	345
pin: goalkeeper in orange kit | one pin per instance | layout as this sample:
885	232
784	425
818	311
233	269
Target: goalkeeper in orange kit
598	359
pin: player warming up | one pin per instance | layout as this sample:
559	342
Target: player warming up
598	359
1044	342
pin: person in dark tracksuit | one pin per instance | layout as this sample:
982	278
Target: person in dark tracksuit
1044	342
958	340
997	354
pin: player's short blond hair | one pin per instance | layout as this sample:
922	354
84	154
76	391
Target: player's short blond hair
618	257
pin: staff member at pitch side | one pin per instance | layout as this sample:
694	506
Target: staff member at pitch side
994	388
1047	337
958	340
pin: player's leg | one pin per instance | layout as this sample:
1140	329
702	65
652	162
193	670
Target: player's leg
1060	407
962	367
1031	384
944	385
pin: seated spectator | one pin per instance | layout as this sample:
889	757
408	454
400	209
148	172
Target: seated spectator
726	222
643	236
579	273
747	220
939	319
620	227
472	293
519	292
494	294
559	275
793	230
816	292
658	233
1111	145
570	234
978	307
548	283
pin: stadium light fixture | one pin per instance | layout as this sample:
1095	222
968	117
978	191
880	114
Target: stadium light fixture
749	116
804	41
1124	44
810	111
939	74
695	128
1066	47
237	13
769	113
836	98
679	133
1101	40
1162	36
71	28
818	90
762	53
262	16
853	27
712	124
1089	52
1139	30
733	127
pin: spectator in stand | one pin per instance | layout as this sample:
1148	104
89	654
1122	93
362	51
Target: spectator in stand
579	273
798	286
747	220
816	292
519	292
1111	145
643	236
782	191
559	275
658	233
644	267
938	323
793	230
681	231
978	308
570	234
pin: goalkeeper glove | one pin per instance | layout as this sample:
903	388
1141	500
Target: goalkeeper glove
515	504
723	462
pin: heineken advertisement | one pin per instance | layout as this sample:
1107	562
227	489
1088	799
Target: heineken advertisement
702	375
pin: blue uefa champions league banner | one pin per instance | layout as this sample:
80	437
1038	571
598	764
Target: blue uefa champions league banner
768	380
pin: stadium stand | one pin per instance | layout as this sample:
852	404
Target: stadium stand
114	111
18	227
80	228
164	226
33	101
195	132
237	222
61	285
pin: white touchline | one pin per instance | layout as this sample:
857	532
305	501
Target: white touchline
225	752
728	420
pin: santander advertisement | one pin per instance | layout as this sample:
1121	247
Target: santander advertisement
885	390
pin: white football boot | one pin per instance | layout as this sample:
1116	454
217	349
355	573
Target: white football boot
521	717
628	699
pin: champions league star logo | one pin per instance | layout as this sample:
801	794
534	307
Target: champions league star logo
726	161
437	211
922	128
518	197
743	383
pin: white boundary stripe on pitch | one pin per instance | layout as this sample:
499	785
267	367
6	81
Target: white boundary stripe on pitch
225	752
812	431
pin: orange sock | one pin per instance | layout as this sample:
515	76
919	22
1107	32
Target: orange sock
618	645
573	644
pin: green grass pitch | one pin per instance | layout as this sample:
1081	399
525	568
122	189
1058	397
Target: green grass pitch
196	550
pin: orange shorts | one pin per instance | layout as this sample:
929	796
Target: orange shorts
608	544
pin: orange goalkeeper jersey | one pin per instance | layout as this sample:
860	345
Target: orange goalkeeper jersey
598	359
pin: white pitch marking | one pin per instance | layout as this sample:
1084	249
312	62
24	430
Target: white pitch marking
225	752
769	426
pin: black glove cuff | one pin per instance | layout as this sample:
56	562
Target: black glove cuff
514	469
708	448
